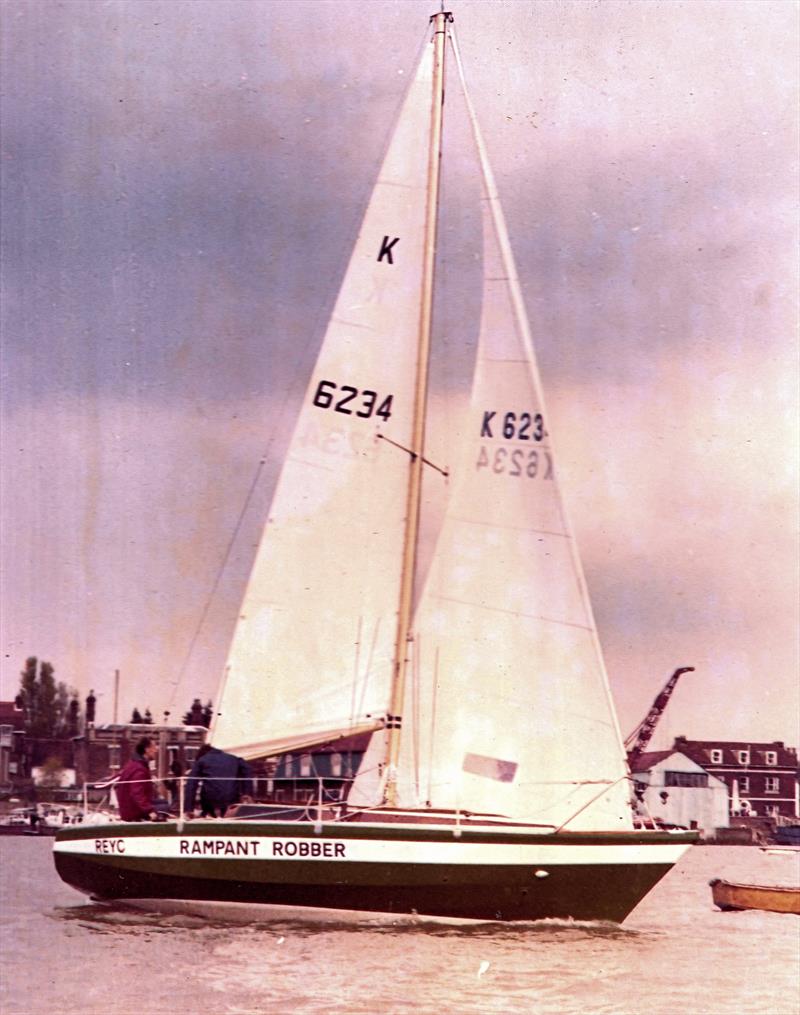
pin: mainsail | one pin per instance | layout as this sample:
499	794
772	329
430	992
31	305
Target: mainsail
313	648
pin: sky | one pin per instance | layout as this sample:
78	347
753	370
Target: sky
181	186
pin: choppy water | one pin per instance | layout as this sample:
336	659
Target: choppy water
675	954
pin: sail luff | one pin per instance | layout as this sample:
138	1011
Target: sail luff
521	319
411	538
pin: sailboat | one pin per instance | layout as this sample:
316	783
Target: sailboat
495	783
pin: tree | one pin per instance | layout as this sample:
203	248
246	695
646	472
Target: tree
63	711
49	712
194	717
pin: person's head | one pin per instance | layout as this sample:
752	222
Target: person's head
203	750
146	748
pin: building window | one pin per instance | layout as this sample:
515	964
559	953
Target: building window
716	757
772	784
113	756
771	757
336	764
190	755
289	762
744	783
744	757
305	764
695	779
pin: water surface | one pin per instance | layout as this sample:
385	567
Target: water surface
675	954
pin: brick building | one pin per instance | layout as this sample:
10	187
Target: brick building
12	746
762	777
296	776
102	750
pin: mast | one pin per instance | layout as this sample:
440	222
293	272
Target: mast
411	539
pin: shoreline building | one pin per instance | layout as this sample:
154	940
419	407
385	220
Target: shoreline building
673	789
761	778
12	746
101	751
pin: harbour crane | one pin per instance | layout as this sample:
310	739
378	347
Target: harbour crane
637	742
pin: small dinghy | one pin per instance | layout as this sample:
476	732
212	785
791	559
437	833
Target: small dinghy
770	898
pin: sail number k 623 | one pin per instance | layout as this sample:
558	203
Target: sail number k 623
513	427
351	401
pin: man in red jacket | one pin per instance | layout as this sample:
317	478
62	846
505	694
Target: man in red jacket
134	787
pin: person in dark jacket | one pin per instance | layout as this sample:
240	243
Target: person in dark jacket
225	780
134	788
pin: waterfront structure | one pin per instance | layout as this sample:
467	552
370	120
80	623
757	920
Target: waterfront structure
761	778
12	745
672	789
101	751
295	776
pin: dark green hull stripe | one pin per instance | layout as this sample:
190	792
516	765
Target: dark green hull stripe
486	892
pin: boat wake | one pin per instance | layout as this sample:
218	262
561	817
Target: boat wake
116	916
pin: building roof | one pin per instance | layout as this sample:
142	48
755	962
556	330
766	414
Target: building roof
10	715
649	760
355	743
700	751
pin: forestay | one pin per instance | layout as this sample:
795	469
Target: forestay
312	651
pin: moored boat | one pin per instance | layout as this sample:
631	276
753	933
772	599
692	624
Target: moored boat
771	898
787	835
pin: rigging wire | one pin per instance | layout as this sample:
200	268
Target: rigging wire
433	722
218	576
356	661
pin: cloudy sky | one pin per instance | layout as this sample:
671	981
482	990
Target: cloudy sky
181	186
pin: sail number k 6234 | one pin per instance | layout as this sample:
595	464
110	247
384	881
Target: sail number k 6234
351	401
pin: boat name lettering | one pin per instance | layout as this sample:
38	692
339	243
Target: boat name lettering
522	427
304	848
386	249
218	847
517	462
109	845
329	395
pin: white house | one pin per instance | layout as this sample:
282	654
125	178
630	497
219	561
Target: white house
675	790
